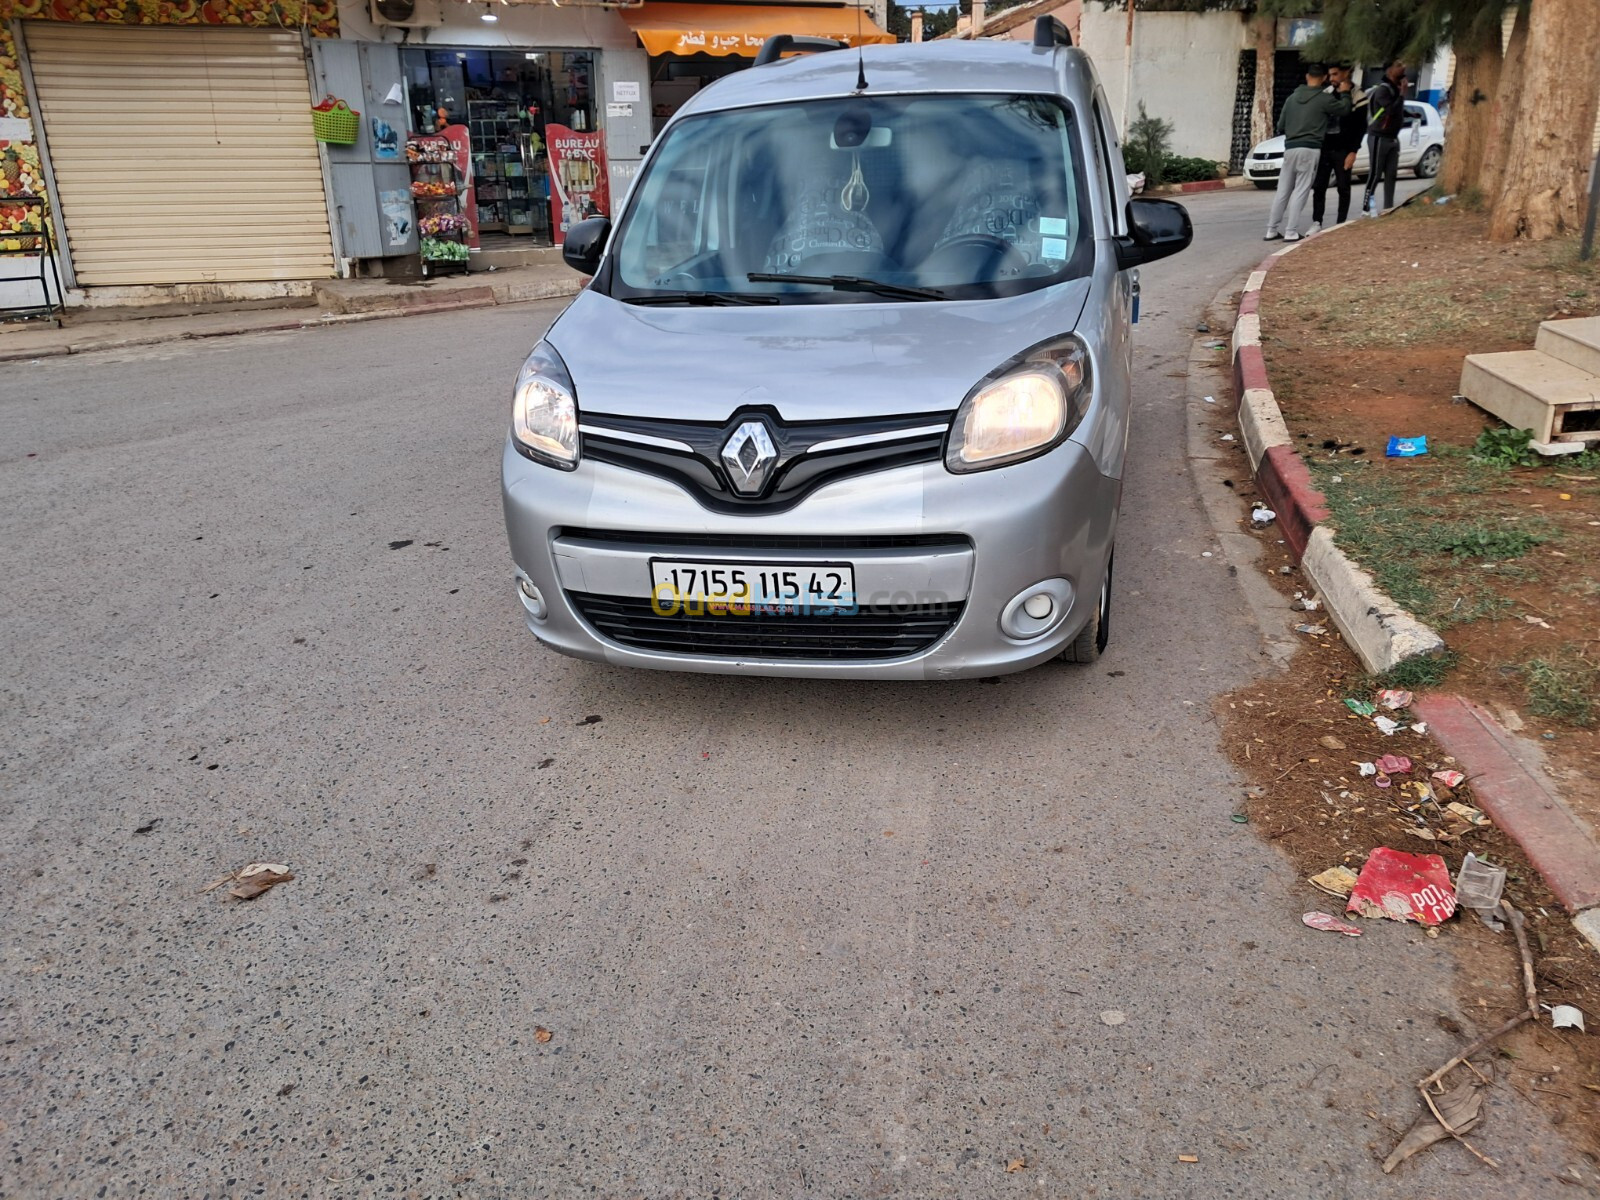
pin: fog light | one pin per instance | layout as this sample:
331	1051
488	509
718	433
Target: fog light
1035	611
532	599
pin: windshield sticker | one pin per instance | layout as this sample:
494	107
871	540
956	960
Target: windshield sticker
1053	227
1053	248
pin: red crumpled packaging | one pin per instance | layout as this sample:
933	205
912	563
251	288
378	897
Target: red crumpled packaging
1404	887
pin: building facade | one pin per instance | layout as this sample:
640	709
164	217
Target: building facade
174	141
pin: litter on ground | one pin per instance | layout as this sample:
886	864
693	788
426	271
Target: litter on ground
1393	764
251	880
1386	726
1567	1016
1330	924
1407	447
1361	708
1450	779
1313	630
1394	699
1261	516
1404	887
1336	881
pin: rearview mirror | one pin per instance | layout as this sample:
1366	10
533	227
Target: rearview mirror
585	244
1156	228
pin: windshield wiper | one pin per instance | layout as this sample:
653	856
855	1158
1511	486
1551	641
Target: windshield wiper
706	298
852	283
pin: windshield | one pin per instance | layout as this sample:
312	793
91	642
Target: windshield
858	199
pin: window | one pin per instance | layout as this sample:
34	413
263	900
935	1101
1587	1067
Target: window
971	196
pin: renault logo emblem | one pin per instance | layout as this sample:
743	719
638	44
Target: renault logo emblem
749	456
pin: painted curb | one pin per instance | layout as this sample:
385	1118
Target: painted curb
1508	782
1380	632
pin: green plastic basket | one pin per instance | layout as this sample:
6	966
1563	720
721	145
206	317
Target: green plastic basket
335	121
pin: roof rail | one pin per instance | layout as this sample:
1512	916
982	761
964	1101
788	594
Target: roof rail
776	46
1048	32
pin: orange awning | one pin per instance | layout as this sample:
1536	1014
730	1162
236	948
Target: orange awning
739	29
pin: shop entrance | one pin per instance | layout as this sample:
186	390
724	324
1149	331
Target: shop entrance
505	98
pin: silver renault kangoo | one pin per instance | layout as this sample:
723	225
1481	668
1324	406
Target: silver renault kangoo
848	393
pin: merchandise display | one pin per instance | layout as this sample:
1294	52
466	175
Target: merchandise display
438	190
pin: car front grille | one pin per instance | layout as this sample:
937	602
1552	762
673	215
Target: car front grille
882	632
810	454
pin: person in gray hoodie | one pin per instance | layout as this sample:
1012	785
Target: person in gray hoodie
1304	124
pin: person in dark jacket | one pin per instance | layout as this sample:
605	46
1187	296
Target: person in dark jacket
1386	117
1303	123
1339	148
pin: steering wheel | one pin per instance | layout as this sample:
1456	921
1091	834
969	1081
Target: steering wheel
1005	257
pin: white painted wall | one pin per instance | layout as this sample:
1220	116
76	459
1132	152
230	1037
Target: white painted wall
1185	70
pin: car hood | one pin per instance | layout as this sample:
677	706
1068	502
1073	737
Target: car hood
1273	145
808	361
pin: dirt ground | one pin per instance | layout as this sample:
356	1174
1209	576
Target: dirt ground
1364	334
1348	377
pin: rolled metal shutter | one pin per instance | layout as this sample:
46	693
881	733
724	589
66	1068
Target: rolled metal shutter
181	154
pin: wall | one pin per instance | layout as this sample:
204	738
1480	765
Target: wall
1185	70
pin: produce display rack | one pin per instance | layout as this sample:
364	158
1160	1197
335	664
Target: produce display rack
436	192
32	243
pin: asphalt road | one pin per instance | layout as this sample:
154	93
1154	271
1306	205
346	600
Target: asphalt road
790	939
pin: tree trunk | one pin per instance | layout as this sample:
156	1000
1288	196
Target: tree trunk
1263	121
1547	170
1503	111
1471	108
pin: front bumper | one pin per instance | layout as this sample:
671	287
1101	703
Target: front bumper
999	533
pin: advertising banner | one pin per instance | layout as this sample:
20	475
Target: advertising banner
579	185
461	141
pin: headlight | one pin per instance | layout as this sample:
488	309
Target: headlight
1027	407
544	410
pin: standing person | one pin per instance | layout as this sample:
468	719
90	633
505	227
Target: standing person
1386	109
1303	123
1339	149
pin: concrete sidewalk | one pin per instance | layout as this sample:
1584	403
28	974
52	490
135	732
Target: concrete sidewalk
332	302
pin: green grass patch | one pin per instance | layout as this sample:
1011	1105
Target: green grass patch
1415	674
1562	687
1427	556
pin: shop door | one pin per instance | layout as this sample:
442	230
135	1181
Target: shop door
181	155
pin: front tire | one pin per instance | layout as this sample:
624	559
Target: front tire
1428	164
1091	643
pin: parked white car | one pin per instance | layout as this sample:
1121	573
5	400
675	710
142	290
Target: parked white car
1421	148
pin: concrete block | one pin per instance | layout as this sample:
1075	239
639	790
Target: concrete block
1575	342
1526	388
1261	424
1246	332
1376	628
1588	924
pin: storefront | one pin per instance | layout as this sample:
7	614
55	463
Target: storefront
508	100
693	45
172	145
554	106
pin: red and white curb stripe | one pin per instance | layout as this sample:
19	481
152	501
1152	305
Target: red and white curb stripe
1377	629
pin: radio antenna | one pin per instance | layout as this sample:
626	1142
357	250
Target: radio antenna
861	62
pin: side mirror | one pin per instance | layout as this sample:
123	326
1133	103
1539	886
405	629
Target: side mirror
585	244
1156	228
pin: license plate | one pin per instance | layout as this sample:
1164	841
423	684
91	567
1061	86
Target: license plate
693	587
